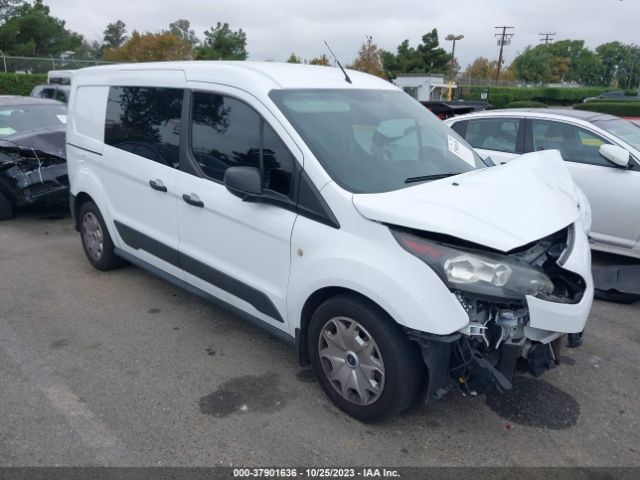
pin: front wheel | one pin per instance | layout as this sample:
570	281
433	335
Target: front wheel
364	362
96	240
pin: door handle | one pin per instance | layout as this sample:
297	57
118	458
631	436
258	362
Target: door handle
193	199
157	185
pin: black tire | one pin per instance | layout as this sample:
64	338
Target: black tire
617	297
6	208
105	258
404	371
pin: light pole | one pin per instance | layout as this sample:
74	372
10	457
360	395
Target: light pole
453	38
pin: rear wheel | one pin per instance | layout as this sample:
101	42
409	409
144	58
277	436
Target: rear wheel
96	241
6	209
364	362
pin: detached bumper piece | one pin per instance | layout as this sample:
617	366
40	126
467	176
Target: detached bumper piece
454	362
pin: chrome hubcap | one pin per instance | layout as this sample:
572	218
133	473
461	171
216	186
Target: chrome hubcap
351	360
92	235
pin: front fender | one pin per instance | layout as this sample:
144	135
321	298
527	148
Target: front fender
374	265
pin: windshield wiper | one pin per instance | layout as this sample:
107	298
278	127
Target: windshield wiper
426	178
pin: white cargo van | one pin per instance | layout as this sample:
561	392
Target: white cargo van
337	212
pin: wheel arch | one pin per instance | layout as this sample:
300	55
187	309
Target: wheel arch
311	304
80	199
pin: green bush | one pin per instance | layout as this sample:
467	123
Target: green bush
526	104
500	97
621	109
19	83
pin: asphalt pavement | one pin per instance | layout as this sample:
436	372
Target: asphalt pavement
122	368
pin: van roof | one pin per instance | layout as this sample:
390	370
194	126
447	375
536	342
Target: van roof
267	75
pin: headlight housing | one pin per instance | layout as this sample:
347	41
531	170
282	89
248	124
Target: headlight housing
481	273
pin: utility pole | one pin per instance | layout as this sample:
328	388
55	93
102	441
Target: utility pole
546	38
504	38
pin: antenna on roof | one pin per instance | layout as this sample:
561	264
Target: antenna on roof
346	77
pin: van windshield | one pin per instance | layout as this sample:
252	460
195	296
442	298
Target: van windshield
372	141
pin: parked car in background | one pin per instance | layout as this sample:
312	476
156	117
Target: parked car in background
57	87
613	96
33	168
601	151
52	92
336	212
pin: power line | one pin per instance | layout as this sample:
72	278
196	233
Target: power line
504	38
546	38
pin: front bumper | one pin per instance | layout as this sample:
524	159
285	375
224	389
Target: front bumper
483	356
567	317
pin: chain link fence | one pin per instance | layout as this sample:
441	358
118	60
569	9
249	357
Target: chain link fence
13	64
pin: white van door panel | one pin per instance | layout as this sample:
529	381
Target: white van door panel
238	251
139	166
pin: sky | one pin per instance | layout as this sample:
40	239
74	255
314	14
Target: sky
275	28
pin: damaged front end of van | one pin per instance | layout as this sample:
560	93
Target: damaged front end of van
520	306
520	267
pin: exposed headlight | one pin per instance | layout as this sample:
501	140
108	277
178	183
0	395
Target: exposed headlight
486	274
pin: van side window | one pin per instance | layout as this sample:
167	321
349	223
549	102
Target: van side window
278	163
227	132
146	122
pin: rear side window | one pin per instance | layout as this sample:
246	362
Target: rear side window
575	143
227	132
498	134
146	122
460	128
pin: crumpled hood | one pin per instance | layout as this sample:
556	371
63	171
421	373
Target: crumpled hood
502	207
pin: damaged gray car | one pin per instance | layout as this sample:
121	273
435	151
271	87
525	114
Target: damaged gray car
33	169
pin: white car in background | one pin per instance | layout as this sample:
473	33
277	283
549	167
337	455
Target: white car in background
601	151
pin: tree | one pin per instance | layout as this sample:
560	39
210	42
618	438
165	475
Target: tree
610	54
628	74
293	58
222	43
8	8
481	68
150	47
620	64
182	29
534	64
321	60
368	59
32	31
433	57
114	35
588	69
426	58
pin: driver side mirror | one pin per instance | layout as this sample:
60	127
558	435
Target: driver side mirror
243	182
615	154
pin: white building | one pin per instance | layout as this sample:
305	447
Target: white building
424	87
